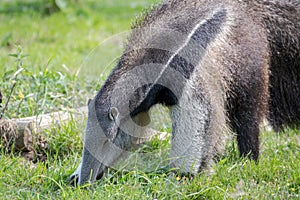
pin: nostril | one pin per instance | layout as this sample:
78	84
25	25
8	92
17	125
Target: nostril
74	179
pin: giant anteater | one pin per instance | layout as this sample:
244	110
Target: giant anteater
219	65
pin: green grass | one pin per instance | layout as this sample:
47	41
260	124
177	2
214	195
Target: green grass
60	48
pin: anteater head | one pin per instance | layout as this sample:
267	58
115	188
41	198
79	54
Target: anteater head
118	118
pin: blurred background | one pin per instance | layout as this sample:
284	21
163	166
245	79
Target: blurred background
58	52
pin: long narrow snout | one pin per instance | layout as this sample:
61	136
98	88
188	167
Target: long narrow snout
89	170
94	142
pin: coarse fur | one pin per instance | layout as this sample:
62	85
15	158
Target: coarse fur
229	65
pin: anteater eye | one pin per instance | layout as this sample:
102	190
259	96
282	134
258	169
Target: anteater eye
113	113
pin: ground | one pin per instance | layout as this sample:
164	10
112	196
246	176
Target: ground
54	52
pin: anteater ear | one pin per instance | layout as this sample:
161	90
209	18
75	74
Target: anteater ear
113	113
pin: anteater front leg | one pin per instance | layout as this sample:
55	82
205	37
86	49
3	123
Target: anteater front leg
191	135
